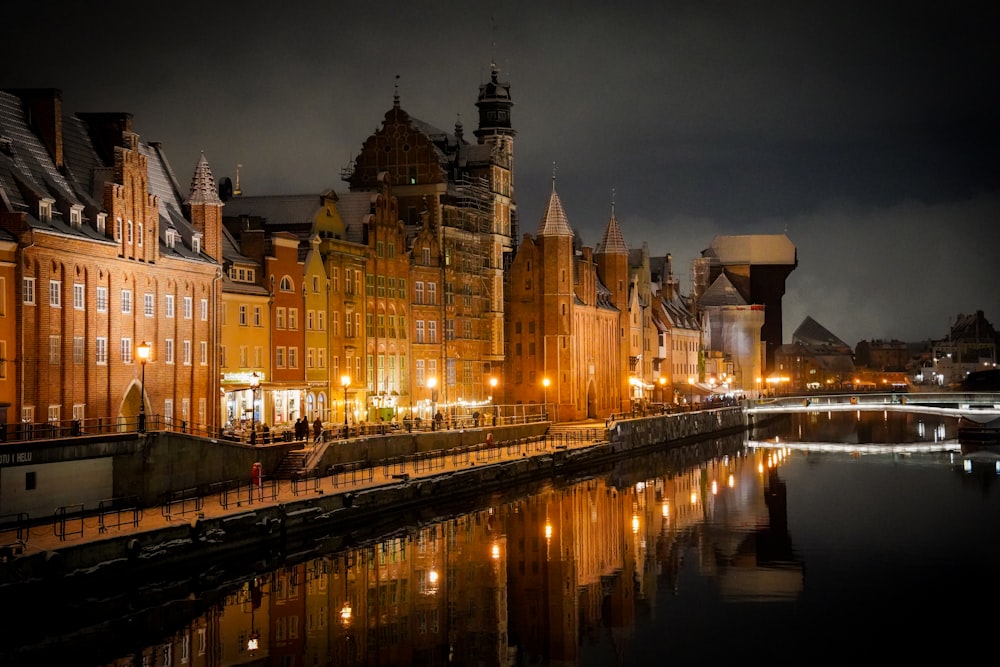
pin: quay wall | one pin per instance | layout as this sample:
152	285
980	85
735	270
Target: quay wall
312	520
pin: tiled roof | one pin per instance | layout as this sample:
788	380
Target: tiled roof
613	243
203	188
554	221
722	292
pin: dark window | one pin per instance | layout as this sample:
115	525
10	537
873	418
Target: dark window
30	482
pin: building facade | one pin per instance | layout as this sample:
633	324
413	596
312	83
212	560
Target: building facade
110	255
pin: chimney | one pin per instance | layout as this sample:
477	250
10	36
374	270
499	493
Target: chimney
43	112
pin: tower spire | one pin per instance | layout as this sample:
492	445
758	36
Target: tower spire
395	93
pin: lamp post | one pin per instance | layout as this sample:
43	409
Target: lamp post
432	385
142	351
493	397
254	383
545	395
345	382
663	389
691	390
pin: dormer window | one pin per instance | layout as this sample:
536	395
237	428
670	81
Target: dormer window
45	209
171	237
196	244
102	221
76	216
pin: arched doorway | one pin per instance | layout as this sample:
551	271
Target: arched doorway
128	411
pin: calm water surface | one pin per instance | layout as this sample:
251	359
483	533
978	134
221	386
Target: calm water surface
768	549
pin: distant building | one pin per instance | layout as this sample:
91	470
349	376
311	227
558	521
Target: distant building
815	360
882	355
971	346
756	266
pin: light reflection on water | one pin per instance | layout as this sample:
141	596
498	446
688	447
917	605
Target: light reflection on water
717	551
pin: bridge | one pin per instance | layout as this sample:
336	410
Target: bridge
977	407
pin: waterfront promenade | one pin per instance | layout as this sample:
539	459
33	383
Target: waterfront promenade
66	530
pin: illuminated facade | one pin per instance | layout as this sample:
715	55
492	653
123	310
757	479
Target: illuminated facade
575	319
110	255
462	193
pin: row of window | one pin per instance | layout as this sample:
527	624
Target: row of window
54	412
126	348
101	300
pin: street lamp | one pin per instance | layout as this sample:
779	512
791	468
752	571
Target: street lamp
345	382
691	390
545	395
254	383
493	397
663	389
432	385
142	351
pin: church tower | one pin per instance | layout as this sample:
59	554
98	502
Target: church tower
555	238
611	256
496	134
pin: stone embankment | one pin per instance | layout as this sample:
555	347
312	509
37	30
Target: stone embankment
316	520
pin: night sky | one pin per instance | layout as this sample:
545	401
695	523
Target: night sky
867	132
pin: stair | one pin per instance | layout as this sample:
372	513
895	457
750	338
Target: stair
292	465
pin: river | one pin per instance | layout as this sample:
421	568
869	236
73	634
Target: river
791	545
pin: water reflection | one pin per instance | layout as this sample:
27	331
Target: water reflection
537	577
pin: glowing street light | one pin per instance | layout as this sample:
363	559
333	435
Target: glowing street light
691	390
254	384
142	351
345	382
432	385
545	394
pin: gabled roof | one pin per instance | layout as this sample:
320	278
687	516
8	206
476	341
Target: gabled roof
722	292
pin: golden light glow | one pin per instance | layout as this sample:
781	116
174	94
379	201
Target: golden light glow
142	351
346	612
432	382
495	551
548	530
635	523
493	382
665	509
732	481
715	487
694	497
345	381
546	382
432	576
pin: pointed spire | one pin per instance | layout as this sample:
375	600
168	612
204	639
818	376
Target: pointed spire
613	243
395	94
554	222
203	188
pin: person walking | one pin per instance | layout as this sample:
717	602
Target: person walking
317	430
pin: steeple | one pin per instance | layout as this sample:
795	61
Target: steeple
203	189
205	210
613	243
554	221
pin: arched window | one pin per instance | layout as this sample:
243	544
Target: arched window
286	284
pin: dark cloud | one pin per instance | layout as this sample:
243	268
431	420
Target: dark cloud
867	132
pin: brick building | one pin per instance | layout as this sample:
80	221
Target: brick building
110	254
